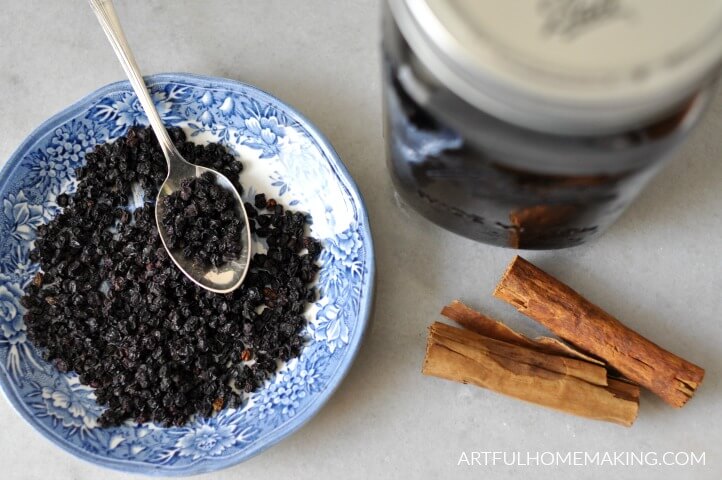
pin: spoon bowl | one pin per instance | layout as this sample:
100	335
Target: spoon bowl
230	275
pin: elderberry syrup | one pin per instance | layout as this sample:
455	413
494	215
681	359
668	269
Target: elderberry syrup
535	124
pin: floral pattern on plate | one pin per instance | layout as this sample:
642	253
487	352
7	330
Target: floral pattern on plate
285	157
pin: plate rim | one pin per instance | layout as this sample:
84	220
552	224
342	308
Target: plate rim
365	307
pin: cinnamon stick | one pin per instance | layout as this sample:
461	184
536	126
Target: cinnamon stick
623	388
472	344
569	315
453	359
533	223
480	323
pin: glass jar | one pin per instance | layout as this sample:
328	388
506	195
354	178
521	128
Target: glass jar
545	161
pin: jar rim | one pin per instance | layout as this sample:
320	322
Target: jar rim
546	97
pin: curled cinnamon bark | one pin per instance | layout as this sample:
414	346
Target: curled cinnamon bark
481	324
548	380
570	316
475	344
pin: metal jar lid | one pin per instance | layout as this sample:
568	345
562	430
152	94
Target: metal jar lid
567	66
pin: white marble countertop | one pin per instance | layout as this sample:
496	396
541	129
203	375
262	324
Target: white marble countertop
659	268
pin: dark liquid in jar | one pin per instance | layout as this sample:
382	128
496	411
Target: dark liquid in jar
502	184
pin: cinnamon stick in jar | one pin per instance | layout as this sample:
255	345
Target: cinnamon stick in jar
570	316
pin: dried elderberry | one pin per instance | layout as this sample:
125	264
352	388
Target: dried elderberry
200	220
111	306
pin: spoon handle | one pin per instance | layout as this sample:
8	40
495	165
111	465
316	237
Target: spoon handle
108	19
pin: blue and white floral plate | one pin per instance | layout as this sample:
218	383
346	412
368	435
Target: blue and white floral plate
284	156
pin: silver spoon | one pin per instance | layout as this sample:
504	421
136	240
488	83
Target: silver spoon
229	276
